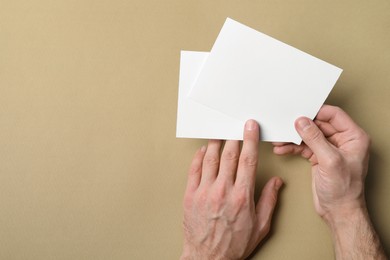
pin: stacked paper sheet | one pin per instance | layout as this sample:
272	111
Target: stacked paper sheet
249	75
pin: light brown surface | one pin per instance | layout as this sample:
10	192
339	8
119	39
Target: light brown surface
89	164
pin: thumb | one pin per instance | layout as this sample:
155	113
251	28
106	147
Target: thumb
266	204
313	137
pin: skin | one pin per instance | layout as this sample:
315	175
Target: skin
338	150
221	219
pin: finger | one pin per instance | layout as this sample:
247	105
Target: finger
211	161
266	204
326	128
279	143
288	149
313	138
336	117
345	128
293	149
247	166
332	135
195	172
229	161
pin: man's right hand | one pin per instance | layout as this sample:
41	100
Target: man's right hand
338	150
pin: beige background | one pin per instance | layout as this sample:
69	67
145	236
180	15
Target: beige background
89	164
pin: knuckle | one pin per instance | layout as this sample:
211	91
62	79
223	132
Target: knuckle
337	109
200	198
273	198
241	199
215	203
334	161
211	160
248	160
230	156
218	194
195	169
314	135
306	153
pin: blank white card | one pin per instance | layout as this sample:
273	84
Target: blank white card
193	119
249	75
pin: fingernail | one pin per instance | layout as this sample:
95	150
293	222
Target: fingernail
250	125
303	123
278	183
203	149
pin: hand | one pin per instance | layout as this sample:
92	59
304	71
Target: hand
221	220
338	150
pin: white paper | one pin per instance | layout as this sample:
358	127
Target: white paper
251	75
195	120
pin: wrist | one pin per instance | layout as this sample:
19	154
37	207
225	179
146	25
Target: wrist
353	235
344	218
344	214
